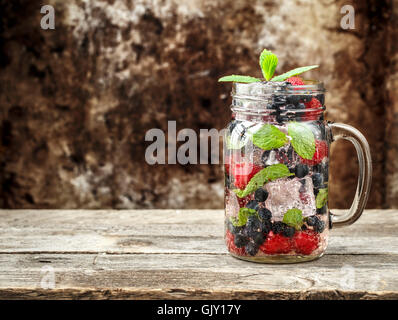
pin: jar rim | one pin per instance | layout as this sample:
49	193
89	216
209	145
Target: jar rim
265	89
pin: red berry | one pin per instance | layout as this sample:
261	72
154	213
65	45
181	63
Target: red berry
276	243
313	104
243	201
321	151
295	81
243	172
305	242
229	240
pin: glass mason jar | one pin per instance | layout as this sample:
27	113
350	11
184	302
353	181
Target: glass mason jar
276	161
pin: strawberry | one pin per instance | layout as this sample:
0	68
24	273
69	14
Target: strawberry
276	243
305	242
229	240
295	81
313	104
321	151
243	172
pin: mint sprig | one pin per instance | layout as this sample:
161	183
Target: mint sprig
269	137
303	140
293	218
321	198
241	219
268	62
270	173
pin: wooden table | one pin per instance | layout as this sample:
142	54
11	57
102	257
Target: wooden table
180	254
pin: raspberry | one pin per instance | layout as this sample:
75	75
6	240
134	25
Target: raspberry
229	240
243	201
295	81
305	241
243	172
321	151
313	104
276	243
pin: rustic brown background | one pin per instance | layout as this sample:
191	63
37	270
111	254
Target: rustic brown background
76	101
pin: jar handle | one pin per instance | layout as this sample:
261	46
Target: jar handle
346	132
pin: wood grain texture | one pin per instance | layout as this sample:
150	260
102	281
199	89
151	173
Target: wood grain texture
180	254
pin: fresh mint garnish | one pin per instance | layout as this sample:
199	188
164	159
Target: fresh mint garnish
270	173
303	140
293	73
268	63
293	218
241	219
237	78
269	137
321	198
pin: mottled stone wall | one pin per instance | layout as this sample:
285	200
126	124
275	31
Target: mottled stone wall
76	101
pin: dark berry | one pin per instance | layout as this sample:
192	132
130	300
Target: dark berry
251	248
266	226
321	210
261	195
317	180
288	231
319	226
301	170
252	204
240	240
312	221
265	214
265	156
259	238
253	223
304	227
301	106
277	227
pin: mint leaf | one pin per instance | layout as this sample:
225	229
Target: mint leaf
268	62
243	214
270	173
293	73
303	140
269	137
237	78
293	218
321	198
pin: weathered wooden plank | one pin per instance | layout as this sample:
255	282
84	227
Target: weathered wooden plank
165	276
164	231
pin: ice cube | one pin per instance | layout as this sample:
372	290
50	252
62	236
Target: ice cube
231	204
284	194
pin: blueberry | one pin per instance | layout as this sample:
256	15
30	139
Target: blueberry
265	214
251	248
301	106
253	223
319	226
261	195
304	227
301	170
312	221
321	210
259	238
277	227
240	240
252	204
317	180
265	156
266	226
288	231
